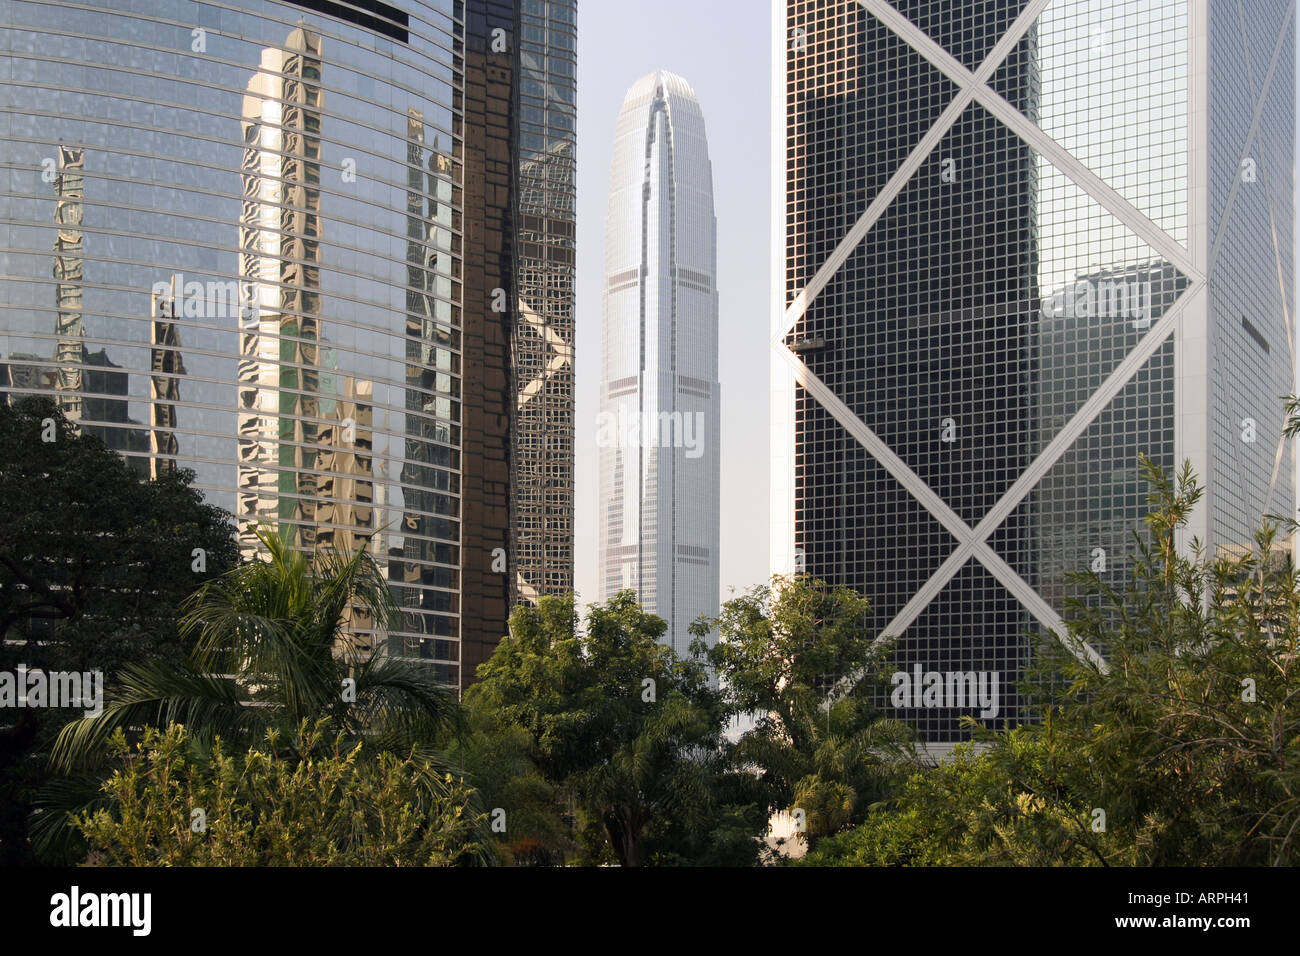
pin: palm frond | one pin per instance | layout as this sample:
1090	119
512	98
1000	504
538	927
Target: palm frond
155	694
403	703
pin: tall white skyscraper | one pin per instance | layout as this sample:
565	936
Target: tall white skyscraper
659	400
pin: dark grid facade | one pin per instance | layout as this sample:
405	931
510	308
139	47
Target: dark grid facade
489	229
927	330
995	296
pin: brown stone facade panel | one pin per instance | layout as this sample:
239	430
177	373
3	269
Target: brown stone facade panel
489	250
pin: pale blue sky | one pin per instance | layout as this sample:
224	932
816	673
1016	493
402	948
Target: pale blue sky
722	48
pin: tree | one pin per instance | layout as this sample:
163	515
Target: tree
92	559
94	562
781	654
270	651
267	807
976	808
626	730
1184	750
531	819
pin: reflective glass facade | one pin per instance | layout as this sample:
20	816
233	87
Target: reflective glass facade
660	400
542	346
971	375
238	239
1250	239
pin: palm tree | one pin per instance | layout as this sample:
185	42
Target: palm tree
270	651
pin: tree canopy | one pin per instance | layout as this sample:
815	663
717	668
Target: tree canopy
271	649
94	563
1185	750
796	658
269	807
631	734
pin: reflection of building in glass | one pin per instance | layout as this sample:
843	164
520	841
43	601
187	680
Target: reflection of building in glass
305	429
167	368
426	549
89	388
299	197
29	373
542	332
659	413
980	328
344	508
104	408
102	398
344	465
279	235
69	186
1085	505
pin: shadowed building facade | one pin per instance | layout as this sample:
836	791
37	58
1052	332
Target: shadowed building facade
1019	244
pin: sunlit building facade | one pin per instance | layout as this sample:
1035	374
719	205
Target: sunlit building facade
543	326
275	243
658	429
1018	245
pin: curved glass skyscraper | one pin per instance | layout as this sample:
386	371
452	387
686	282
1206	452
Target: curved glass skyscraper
275	242
659	411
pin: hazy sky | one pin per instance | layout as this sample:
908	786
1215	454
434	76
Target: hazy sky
722	48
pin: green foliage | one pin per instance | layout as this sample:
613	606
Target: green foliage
270	651
312	800
94	562
629	734
598	743
782	650
93	558
497	758
979	807
1188	741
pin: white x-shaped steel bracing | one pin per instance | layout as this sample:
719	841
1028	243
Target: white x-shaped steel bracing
1260	97
562	355
562	352
973	542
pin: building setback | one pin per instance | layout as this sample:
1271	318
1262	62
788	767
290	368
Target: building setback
658	430
300	248
1017	246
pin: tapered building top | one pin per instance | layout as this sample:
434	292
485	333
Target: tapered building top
659	420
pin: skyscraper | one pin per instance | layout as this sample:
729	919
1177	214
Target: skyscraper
520	227
658	429
543	321
281	244
1020	244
